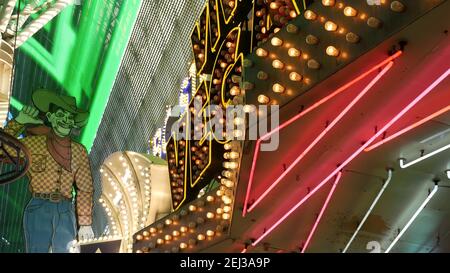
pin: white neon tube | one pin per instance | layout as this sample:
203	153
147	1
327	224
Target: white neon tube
412	218
369	211
404	165
448	173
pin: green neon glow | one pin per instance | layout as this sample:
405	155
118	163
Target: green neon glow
74	58
120	37
42	57
16	104
74	61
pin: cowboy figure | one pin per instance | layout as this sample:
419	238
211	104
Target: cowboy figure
57	165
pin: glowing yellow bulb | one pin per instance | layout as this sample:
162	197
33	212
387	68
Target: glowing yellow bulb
168	222
229	183
277	64
176	233
139	237
145	233
310	15
192	208
210	215
234	91
350	12
183	245
276	41
210	233
226	216
274	5
278	88
263	99
294	76
230	165
200	237
210	198
160	241
293	14
293	52
330	26
226	200
153	230
168	237
183	229
226	208
332	51
328	3
261	52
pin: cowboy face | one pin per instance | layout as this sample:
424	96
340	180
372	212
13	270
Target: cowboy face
62	122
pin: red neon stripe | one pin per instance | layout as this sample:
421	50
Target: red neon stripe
356	153
325	204
407	129
322	135
304	112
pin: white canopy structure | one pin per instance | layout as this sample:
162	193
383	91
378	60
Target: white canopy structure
136	192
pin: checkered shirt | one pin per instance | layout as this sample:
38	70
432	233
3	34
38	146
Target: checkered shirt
47	176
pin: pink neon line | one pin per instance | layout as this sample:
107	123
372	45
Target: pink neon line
301	114
322	134
409	128
325	204
356	153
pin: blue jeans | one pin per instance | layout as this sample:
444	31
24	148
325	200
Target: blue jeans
49	225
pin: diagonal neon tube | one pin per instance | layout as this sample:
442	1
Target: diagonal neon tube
374	203
356	153
405	228
404	165
409	128
303	113
322	211
322	134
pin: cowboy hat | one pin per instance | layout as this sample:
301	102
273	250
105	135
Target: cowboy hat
43	98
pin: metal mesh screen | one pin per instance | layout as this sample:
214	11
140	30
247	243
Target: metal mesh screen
155	62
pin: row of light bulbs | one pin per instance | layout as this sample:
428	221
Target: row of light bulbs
223	211
183	230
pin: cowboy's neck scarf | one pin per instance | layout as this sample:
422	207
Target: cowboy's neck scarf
58	147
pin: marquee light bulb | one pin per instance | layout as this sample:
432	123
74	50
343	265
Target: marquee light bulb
274	5
294	76
350	12
310	15
261	52
275	41
278	88
328	3
183	229
293	52
263	99
183	245
330	26
277	64
332	51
